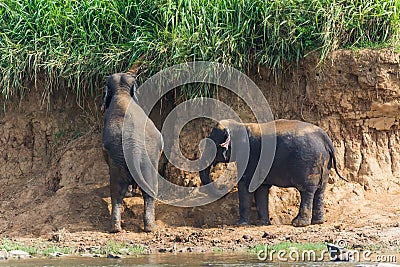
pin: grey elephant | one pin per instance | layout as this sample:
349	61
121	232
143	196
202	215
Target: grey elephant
304	154
142	145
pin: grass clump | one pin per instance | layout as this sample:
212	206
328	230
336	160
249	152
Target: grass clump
9	245
34	250
121	248
74	44
54	250
43	249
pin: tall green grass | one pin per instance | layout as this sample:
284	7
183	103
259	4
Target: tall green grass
76	43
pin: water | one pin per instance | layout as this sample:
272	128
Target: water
169	260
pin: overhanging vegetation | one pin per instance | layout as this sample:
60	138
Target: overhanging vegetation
77	43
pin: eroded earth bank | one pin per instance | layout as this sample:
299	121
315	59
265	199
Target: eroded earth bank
54	179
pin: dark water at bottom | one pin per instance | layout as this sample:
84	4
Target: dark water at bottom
169	260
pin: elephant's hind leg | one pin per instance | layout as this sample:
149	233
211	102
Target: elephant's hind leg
245	202
150	175
318	206
306	205
118	187
148	215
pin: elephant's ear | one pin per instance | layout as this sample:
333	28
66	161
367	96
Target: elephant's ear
227	141
107	99
133	90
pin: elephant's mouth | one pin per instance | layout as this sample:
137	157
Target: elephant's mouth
226	156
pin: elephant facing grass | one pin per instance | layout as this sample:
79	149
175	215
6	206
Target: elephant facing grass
143	146
304	154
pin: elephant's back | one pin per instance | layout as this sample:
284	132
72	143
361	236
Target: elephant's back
128	128
112	142
299	141
113	127
296	128
300	136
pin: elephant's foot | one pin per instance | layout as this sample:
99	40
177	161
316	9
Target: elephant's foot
242	222
262	222
116	227
317	216
150	227
317	220
300	222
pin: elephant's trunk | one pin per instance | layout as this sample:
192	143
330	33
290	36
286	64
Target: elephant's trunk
205	175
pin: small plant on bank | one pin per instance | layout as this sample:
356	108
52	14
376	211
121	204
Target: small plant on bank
34	250
121	248
56	249
218	250
9	245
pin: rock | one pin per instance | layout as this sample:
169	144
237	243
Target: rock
113	256
247	237
19	254
268	235
170	250
56	254
358	190
91	255
123	251
179	239
3	255
340	254
173	249
380	124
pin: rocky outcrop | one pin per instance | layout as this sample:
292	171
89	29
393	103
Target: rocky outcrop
355	96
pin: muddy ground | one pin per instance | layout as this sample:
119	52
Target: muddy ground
54	180
364	220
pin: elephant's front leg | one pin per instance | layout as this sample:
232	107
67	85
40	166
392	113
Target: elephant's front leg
261	198
245	201
149	210
306	206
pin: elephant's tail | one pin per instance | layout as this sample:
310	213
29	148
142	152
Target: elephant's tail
333	158
331	150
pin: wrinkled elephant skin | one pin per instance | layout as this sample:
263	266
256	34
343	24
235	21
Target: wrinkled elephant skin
144	144
304	154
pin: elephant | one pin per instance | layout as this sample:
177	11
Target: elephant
143	144
304	154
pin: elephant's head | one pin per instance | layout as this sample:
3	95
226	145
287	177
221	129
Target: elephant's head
222	139
119	81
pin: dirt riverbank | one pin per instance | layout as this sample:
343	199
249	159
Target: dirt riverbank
54	179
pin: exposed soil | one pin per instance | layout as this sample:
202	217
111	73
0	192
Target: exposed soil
54	181
362	220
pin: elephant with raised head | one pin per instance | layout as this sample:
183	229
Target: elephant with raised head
304	154
142	145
